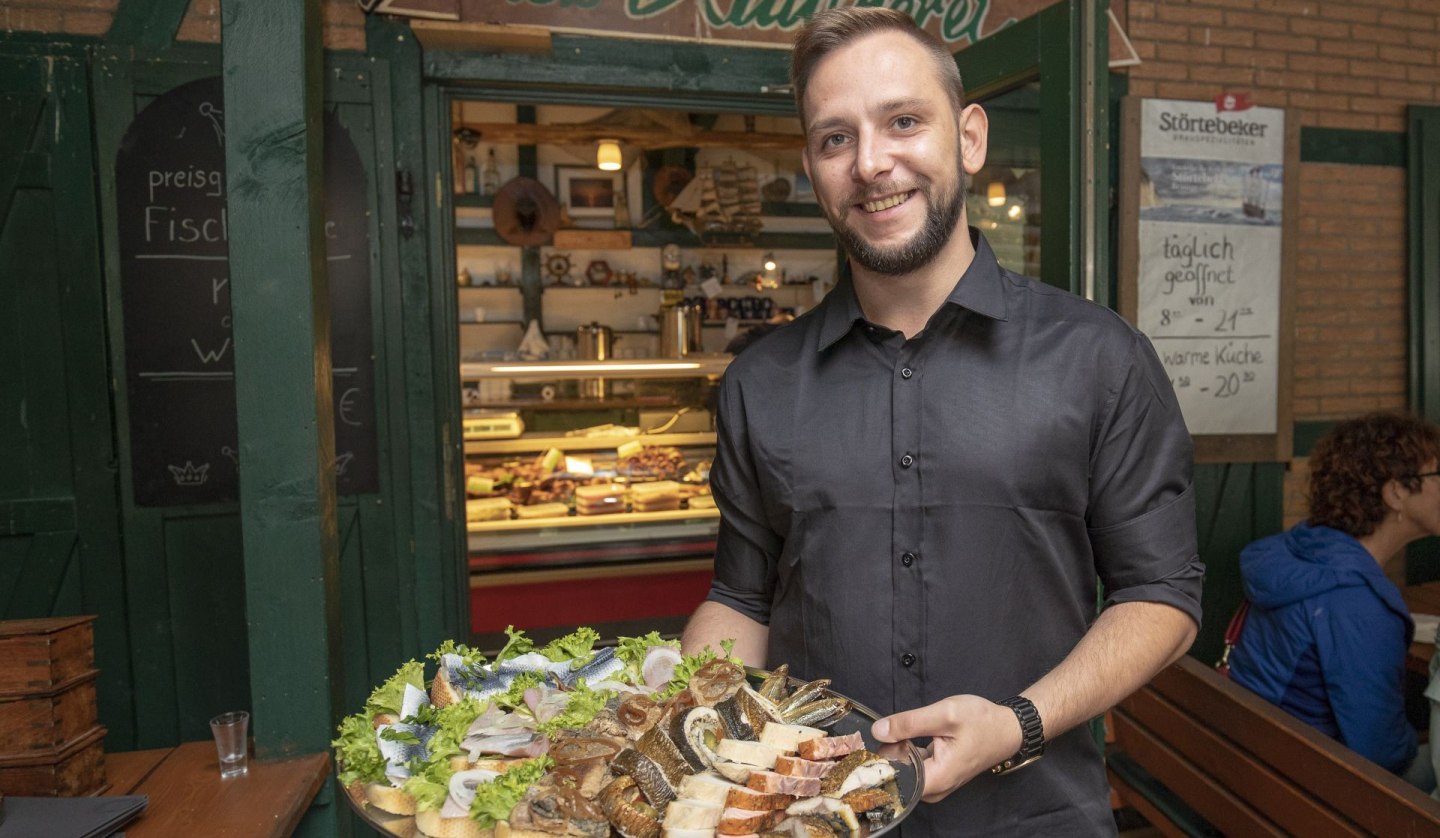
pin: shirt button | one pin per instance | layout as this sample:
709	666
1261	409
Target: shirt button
906	373
907	461
907	559
907	660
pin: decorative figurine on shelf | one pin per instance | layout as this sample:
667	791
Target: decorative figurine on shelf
463	279
490	175
670	266
557	265
598	272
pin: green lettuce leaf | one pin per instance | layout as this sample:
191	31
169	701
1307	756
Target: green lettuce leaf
429	783
690	664
514	698
389	697
494	800
357	751
577	644
451	722
472	658
517	645
631	650
583	706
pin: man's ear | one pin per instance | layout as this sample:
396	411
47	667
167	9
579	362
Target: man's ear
1394	494
974	127
805	163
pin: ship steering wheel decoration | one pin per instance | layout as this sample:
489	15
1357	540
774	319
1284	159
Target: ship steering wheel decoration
557	265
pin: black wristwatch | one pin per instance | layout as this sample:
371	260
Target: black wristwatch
1032	735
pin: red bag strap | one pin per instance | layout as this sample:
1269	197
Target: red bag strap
1232	636
1237	623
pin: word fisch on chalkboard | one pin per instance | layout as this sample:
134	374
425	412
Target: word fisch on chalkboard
175	296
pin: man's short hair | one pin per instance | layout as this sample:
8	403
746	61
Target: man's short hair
832	29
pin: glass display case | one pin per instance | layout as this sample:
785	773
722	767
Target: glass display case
585	509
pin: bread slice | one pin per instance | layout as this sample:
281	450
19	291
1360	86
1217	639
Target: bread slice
431	824
387	798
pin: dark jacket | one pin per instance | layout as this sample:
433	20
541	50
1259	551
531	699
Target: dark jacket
1326	640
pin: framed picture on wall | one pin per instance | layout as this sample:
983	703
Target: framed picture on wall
588	192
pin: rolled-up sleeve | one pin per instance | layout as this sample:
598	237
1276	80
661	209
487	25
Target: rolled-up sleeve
747	548
1141	517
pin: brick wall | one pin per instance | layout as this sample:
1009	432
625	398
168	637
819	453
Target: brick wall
72	17
343	20
1335	64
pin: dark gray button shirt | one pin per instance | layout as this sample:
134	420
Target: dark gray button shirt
928	517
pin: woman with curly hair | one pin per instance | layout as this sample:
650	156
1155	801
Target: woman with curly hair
1327	633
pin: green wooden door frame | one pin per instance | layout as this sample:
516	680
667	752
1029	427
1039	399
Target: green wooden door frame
1423	147
1063	49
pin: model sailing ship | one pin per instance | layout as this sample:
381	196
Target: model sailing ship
721	204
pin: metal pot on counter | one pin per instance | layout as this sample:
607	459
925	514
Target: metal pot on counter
680	330
594	343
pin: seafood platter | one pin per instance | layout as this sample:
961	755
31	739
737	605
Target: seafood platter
632	739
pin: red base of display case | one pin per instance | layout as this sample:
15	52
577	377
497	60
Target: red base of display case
587	597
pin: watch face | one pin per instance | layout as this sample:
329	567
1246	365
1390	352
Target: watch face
670	257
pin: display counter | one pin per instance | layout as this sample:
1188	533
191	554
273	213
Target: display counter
608	523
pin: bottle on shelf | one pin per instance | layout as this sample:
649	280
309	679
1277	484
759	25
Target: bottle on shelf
490	176
472	176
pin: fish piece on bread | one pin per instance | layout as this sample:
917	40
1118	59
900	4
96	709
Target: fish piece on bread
831	747
860	770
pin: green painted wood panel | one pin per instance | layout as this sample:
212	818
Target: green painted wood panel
150	24
57	470
1423	145
1236	503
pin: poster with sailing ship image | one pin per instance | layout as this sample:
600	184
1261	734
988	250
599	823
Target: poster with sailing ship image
1211	212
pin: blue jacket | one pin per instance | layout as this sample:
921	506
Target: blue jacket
1326	640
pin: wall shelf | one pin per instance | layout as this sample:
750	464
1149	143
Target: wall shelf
659	238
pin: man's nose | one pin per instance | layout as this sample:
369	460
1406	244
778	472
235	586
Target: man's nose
873	157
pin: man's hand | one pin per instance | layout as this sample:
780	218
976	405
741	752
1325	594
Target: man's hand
969	735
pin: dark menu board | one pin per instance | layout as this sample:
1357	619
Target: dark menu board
175	295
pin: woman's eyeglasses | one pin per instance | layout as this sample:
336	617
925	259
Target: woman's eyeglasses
1426	474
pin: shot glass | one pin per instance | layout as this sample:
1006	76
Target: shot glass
231	732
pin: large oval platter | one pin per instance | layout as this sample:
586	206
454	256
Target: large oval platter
907	759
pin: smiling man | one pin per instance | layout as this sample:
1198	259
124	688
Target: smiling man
923	478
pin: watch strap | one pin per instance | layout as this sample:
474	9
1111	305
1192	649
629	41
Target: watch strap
1032	735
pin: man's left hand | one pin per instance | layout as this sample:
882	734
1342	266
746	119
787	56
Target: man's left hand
969	735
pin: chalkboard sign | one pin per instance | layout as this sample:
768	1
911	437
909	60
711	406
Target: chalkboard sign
1205	244
175	298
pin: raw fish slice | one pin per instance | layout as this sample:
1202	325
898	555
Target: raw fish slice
507	744
601	666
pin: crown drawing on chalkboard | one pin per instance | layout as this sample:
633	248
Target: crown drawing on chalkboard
190	474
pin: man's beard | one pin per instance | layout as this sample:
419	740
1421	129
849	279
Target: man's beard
940	220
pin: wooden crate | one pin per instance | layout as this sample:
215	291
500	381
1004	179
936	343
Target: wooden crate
74	769
45	721
38	655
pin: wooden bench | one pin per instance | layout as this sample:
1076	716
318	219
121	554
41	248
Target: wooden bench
1197	754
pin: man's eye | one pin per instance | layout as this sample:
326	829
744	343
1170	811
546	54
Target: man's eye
833	140
905	123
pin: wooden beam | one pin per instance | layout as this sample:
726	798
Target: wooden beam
480	37
646	138
272	72
148	24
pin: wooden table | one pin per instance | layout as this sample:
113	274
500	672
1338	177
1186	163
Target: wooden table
187	795
1421	599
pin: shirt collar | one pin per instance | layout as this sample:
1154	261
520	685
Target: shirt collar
979	289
